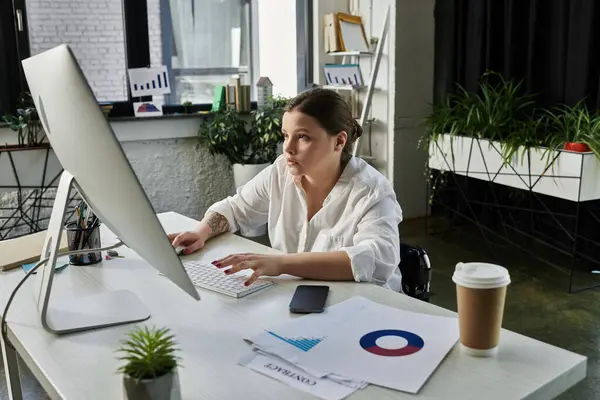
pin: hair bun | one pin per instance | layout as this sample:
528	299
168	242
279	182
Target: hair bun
358	130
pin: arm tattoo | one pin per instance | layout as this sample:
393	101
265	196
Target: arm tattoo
218	223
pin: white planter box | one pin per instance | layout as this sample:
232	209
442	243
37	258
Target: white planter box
563	174
29	165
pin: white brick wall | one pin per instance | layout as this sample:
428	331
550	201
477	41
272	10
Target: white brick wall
154	32
94	30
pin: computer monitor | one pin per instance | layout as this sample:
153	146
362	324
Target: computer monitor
95	164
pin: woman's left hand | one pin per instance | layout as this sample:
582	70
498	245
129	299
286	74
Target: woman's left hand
261	264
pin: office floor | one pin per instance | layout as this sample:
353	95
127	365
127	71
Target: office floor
538	304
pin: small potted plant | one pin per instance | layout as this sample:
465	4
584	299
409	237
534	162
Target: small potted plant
574	128
373	44
187	106
150	369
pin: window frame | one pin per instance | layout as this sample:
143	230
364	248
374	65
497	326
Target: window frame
304	26
251	16
13	22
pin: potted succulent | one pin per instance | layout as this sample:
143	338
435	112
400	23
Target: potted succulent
250	142
150	369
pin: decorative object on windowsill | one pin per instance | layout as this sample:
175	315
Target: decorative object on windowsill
250	143
187	107
264	91
151	81
218	99
26	123
150	369
236	96
106	108
147	109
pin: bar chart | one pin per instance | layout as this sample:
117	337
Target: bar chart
149	81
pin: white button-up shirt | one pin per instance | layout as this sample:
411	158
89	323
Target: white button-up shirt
360	216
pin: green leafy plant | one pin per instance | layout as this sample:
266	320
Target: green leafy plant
148	353
499	111
573	124
26	122
245	138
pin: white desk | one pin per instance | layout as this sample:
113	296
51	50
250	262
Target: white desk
210	332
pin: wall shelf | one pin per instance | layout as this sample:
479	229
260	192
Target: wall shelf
350	53
344	87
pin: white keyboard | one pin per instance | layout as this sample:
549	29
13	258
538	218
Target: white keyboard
209	277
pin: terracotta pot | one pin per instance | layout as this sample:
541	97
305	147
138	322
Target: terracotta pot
577	147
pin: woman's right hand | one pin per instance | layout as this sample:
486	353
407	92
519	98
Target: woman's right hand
191	240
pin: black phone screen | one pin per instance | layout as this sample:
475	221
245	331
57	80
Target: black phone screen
309	299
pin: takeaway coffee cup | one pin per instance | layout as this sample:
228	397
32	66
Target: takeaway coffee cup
480	292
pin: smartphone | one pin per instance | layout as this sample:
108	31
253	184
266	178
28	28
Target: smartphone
309	299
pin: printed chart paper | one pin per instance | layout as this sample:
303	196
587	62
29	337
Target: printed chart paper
149	81
386	347
291	375
294	338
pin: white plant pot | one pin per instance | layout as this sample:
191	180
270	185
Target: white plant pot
242	173
567	175
165	387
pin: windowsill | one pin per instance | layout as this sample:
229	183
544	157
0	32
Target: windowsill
169	116
158	117
133	129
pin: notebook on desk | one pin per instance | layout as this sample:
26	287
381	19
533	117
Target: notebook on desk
25	249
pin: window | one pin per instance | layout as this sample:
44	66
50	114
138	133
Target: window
13	47
205	43
95	32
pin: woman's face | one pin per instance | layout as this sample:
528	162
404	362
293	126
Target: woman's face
307	146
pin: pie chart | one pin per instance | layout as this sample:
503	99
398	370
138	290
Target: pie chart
414	343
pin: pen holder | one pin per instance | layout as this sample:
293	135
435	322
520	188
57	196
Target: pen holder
82	239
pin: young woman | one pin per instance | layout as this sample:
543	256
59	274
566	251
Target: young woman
333	216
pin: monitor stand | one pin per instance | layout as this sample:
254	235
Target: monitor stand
75	314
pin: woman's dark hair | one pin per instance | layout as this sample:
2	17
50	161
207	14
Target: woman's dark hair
330	110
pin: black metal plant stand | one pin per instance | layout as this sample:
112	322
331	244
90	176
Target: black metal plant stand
27	215
553	230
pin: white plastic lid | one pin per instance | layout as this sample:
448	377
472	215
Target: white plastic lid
477	275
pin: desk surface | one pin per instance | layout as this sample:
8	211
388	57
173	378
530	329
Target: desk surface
210	334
